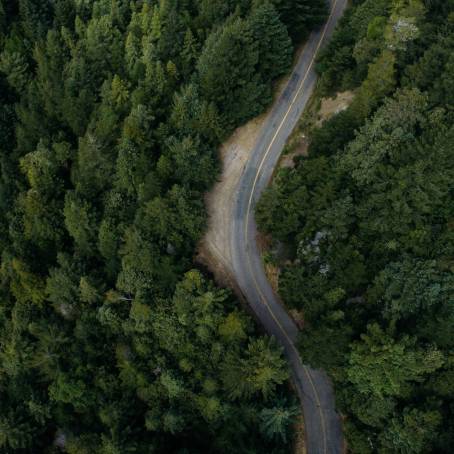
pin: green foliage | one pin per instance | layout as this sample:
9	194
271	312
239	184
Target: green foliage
260	371
301	16
227	72
15	67
343	63
239	58
36	17
274	57
337	132
381	367
275	421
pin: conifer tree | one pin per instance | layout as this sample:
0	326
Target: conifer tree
274	45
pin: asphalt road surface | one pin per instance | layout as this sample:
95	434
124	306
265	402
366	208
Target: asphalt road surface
323	425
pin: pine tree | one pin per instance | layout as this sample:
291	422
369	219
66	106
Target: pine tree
36	18
227	73
275	422
301	16
274	45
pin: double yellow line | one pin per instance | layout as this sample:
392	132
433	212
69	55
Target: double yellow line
246	230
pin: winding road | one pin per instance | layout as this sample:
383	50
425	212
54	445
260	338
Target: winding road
323	425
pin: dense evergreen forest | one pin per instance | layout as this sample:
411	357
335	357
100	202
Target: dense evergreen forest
369	218
111	112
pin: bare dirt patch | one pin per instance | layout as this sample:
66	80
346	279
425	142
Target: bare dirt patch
332	106
300	436
298	317
264	242
300	149
272	273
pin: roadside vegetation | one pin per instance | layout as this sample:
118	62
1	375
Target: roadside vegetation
111	113
369	217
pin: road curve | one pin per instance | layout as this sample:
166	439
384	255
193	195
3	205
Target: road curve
323	425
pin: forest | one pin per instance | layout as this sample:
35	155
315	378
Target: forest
368	219
112	341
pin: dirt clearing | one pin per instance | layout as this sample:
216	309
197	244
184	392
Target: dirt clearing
332	106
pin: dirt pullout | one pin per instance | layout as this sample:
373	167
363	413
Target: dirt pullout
214	249
332	106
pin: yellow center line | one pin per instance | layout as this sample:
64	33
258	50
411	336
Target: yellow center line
249	209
